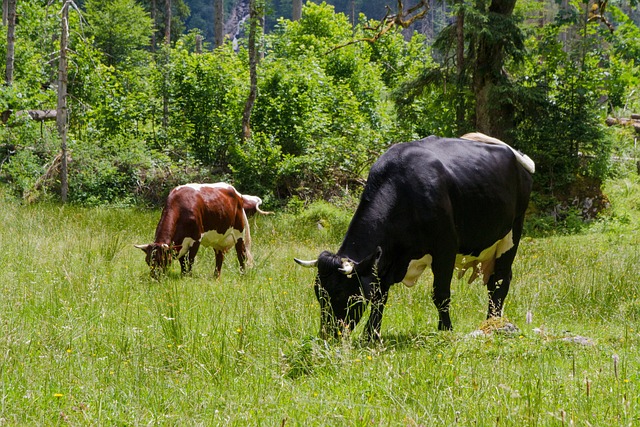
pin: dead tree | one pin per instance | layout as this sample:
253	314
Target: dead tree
61	116
402	18
11	32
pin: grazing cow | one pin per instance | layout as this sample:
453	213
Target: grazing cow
443	203
208	214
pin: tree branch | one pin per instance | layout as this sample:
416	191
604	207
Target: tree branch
400	19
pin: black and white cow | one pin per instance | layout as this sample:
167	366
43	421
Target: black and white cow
444	203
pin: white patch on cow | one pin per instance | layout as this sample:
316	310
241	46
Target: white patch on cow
186	245
213	239
483	264
219	241
198	187
415	269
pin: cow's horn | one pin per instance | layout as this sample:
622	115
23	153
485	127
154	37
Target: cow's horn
143	247
304	263
347	266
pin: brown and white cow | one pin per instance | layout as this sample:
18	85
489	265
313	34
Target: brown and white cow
211	215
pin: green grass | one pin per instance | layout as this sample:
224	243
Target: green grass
87	338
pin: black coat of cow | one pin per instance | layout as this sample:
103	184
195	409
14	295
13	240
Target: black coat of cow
441	202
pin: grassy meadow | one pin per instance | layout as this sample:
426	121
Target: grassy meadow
88	338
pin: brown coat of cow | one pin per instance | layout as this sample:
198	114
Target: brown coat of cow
202	214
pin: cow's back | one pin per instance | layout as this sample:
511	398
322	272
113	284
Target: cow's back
193	209
422	194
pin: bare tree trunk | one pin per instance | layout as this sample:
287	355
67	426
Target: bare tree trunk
5	12
167	45
460	104
11	39
218	8
154	18
296	10
61	114
167	22
254	16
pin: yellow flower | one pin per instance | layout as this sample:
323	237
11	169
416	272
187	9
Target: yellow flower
58	395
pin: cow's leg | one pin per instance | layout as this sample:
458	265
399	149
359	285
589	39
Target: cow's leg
219	259
498	287
442	268
241	252
378	301
500	280
186	262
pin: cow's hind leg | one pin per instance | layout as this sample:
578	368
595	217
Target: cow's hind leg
500	280
241	252
442	268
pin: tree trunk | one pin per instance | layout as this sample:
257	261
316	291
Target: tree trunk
5	13
11	39
154	19
167	22
460	84
61	115
296	10
494	112
167	45
254	16
218	7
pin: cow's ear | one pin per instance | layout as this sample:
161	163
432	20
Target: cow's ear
142	247
370	263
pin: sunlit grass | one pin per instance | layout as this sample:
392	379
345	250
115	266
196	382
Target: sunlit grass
88	338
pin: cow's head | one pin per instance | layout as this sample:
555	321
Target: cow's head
343	288
158	257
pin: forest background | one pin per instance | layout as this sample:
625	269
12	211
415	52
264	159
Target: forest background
152	105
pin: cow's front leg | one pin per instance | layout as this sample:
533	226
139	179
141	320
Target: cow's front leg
442	274
186	261
374	324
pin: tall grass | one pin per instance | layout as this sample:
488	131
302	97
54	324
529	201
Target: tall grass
88	338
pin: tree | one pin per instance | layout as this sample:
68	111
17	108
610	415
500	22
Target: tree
296	10
500	36
167	22
218	7
121	29
255	15
11	32
61	118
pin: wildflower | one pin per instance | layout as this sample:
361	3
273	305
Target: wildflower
58	395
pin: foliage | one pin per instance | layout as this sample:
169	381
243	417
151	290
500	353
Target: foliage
119	28
144	119
208	91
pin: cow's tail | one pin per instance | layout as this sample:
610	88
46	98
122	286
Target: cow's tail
523	159
247	239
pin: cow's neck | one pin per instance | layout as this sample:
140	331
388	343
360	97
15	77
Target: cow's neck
166	227
364	235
